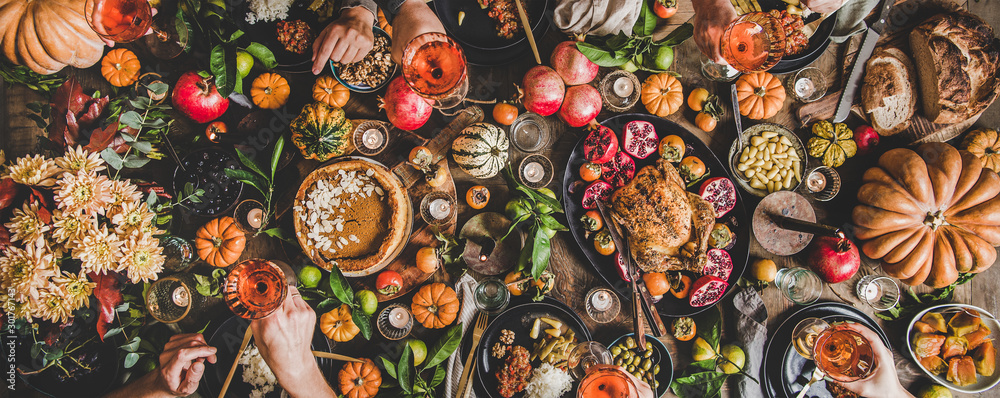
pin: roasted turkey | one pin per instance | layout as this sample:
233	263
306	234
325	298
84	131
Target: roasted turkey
667	226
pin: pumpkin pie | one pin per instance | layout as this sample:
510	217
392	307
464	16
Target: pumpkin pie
354	215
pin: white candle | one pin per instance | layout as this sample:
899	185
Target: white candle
871	291
399	317
600	300
440	208
372	138
533	172
255	217
805	87
816	182
181	297
623	87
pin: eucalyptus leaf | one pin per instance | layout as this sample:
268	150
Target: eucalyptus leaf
132	345
112	332
112	158
138	104
134	162
141	146
444	346
131	119
131	359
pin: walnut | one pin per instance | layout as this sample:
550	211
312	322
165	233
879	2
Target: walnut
374	69
499	351
507	336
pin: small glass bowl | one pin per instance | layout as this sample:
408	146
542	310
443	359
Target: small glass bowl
613	101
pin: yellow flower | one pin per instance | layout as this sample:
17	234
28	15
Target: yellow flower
53	306
69	228
25	224
20	309
75	288
100	252
78	159
143	258
84	191
122	192
133	218
34	170
26	271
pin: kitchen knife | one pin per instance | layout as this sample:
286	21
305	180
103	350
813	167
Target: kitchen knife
864	52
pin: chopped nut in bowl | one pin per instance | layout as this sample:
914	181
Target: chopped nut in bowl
372	72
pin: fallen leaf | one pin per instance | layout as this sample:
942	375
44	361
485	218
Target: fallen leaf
109	295
8	192
102	138
94	108
4	237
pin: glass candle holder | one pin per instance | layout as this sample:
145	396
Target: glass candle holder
585	355
799	285
535	171
437	208
371	137
821	183
249	215
395	322
255	288
879	292
620	90
530	132
602	304
171	298
808	85
178	253
491	296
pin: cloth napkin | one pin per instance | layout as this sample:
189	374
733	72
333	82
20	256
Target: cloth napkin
596	17
851	19
466	315
750	314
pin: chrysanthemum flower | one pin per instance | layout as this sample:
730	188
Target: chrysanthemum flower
77	159
34	170
25	224
52	305
143	258
75	288
133	218
26	270
122	192
100	252
86	191
69	228
20	309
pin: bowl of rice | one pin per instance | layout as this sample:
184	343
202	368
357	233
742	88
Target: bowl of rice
371	73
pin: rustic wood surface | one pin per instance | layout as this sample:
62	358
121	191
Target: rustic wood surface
574	274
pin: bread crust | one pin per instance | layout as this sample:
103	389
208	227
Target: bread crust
889	94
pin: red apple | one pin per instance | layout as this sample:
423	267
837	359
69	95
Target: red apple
866	137
197	97
835	260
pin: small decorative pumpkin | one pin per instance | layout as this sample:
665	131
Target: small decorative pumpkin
329	91
383	23
322	132
270	91
833	143
481	150
120	67
435	306
359	379
220	242
929	214
662	94
985	144
47	35
338	325
760	95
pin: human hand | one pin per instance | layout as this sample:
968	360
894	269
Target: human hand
413	19
182	363
883	381
823	6
346	40
710	20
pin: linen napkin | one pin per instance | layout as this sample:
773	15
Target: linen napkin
466	315
851	19
751	331
596	17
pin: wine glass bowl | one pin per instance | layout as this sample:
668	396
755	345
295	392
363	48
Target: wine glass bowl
840	352
754	42
255	288
434	67
121	21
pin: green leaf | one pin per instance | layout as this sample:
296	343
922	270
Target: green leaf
263	54
542	198
327	305
405	369
646	24
112	332
132	345
155	124
551	223
439	374
600	56
702	384
223	64
141	146
340	287
112	158
131	359
203	285
203	328
363	321
276	155
708	364
526	253
254	180
444	346
390	367
249	163
138	104
158	88
709	326
678	36
131	119
619	41
514	225
134	162
540	254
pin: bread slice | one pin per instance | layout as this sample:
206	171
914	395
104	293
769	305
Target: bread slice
889	94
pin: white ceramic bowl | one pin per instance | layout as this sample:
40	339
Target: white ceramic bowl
982	383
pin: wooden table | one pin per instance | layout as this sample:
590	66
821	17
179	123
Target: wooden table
574	274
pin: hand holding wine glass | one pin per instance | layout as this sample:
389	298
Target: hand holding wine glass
883	381
710	20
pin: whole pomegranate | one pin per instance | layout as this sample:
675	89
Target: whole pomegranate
197	97
404	107
581	106
835	260
572	65
543	90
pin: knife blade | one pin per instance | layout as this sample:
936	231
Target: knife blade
637	312
857	69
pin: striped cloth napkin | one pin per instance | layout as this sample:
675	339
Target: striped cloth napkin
466	315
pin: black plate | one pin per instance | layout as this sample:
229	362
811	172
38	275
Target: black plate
478	30
669	306
266	33
795	371
519	319
227	339
817	42
661	356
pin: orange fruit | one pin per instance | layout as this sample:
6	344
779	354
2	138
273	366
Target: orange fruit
656	283
427	259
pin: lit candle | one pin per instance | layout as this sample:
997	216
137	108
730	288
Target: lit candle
372	138
805	87
440	208
600	300
871	291
255	217
533	172
181	297
623	87
816	181
399	317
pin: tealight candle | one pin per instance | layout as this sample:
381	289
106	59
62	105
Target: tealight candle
600	300
181	297
623	87
255	217
399	317
815	182
533	172
372	138
440	208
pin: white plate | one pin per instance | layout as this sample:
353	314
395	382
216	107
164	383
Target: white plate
982	383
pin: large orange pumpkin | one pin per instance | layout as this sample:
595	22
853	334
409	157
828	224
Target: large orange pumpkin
929	214
985	144
338	324
48	35
220	242
120	67
269	91
662	94
435	305
760	95
359	379
329	91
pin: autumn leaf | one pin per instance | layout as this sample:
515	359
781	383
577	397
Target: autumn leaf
94	108
8	192
44	205
109	296
102	138
4	237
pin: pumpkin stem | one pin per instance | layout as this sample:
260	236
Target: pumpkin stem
267	91
934	220
328	90
760	91
359	381
217	242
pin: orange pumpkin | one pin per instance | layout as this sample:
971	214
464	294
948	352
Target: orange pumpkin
384	23
329	91
48	35
359	379
760	95
338	324
220	242
662	94
985	144
270	91
120	67
435	305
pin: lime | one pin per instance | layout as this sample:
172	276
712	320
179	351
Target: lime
664	57
934	391
735	359
244	62
544	208
309	276
630	66
419	351
368	301
515	209
701	350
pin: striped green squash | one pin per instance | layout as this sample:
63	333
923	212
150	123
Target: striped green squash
322	132
481	150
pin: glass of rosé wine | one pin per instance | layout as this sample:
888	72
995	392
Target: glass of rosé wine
434	67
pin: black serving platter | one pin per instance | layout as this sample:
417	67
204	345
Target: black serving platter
794	371
478	36
266	33
738	218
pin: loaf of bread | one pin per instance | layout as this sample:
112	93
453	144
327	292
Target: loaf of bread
957	60
889	93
